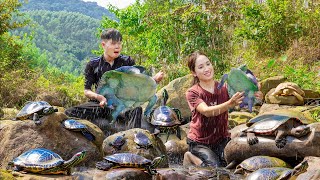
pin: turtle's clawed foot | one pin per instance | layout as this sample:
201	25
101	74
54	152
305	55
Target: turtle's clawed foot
280	143
252	139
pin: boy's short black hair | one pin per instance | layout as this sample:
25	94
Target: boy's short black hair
111	33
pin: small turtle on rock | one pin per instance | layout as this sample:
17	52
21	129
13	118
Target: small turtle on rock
257	162
127	87
129	160
142	141
35	110
279	126
118	142
44	161
166	119
75	125
280	173
289	89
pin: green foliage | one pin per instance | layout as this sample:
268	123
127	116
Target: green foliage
160	33
87	8
66	38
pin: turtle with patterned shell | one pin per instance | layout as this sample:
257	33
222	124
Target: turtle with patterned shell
35	110
289	89
45	161
130	160
166	119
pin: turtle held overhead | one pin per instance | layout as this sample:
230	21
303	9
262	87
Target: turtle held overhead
127	87
166	119
35	110
44	161
130	160
241	80
276	125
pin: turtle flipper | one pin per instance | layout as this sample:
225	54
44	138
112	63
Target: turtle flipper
252	138
251	99
232	165
151	103
223	79
103	165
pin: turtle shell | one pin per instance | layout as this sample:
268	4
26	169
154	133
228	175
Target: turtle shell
128	84
269	124
32	107
288	85
128	159
257	162
118	141
72	124
36	160
142	140
165	116
269	173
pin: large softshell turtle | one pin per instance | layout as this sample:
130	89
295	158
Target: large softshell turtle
34	110
241	80
44	161
279	126
127	87
129	160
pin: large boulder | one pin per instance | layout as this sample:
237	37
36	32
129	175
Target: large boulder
157	149
177	94
17	137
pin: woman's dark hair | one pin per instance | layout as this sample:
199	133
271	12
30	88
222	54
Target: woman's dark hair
191	62
111	33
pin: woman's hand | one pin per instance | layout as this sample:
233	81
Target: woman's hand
236	99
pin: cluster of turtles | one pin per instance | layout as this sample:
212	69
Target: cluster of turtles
266	167
122	88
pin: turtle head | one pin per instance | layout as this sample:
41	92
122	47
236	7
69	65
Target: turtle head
300	131
165	97
243	67
300	168
77	158
158	160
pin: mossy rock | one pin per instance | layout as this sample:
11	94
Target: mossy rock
6	175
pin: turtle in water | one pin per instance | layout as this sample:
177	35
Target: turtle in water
280	173
279	126
130	160
257	162
44	161
166	119
241	79
75	125
142	141
127	87
35	110
118	142
289	89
